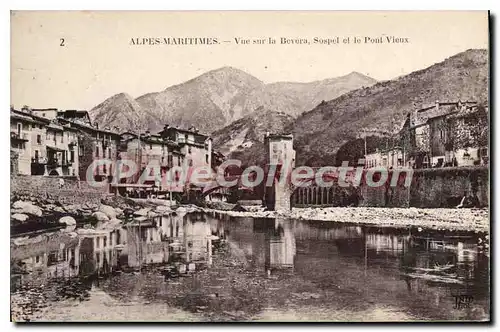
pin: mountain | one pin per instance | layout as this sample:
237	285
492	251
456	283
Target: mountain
294	98
120	110
215	99
205	101
383	107
244	138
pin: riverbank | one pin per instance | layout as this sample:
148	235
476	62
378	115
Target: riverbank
29	216
476	220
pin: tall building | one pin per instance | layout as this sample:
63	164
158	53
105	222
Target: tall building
446	134
41	144
281	161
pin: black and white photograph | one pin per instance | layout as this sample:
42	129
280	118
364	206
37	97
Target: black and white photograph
250	166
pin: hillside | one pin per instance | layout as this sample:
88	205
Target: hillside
382	107
244	138
215	99
120	110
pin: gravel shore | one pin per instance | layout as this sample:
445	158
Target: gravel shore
476	220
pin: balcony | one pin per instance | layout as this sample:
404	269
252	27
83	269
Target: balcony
23	137
39	161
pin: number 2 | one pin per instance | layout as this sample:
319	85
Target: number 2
62	42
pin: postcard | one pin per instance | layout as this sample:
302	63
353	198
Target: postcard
259	166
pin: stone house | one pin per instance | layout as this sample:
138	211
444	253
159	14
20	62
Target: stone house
44	146
430	135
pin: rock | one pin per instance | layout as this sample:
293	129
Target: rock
109	211
162	209
19	217
28	208
239	208
68	220
69	229
119	212
142	212
100	216
59	209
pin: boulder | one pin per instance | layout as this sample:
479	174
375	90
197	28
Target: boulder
19	217
142	212
68	220
27	208
68	229
109	211
119	212
100	216
163	209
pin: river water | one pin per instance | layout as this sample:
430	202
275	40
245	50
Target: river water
211	267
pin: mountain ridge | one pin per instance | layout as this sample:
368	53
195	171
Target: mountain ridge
220	96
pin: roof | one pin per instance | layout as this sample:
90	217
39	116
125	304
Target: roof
27	116
89	127
279	136
169	129
55	148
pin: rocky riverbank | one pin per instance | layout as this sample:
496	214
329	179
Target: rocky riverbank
32	216
27	216
440	219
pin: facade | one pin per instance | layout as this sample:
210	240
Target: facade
390	158
280	156
176	151
23	126
94	144
446	134
43	145
191	150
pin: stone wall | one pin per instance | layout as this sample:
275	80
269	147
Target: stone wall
47	188
432	188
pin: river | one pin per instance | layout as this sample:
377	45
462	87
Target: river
212	267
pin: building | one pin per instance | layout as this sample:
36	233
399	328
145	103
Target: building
388	158
192	150
281	159
43	144
94	144
446	134
23	125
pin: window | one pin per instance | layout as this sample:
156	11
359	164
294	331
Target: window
72	156
39	139
19	128
206	158
178	161
150	146
62	137
37	259
104	168
190	162
109	152
97	151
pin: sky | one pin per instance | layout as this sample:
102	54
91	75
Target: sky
98	59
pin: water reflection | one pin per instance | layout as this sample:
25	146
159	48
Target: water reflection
412	270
